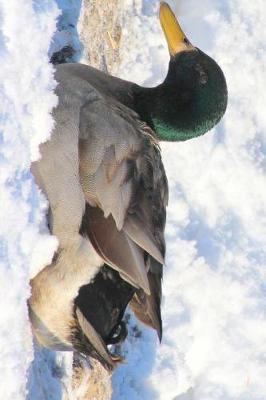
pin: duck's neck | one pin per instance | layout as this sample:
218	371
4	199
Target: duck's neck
168	113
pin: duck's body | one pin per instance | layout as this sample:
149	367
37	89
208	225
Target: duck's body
106	186
103	176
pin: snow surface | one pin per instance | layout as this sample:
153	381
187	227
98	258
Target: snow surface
214	285
26	98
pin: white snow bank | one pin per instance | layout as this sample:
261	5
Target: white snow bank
214	307
26	83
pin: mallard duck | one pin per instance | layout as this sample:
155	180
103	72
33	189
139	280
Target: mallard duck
105	182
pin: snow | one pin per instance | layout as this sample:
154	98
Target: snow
214	310
25	121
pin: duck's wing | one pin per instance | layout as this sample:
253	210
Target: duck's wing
147	308
125	187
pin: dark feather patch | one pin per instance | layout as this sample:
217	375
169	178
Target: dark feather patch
103	301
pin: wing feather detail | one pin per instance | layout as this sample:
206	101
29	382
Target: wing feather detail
141	235
147	308
116	248
126	191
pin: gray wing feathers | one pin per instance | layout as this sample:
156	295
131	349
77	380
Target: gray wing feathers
141	235
147	307
123	180
104	153
113	191
116	248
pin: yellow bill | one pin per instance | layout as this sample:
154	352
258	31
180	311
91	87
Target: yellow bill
176	39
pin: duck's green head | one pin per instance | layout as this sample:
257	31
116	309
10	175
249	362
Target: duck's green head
193	97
